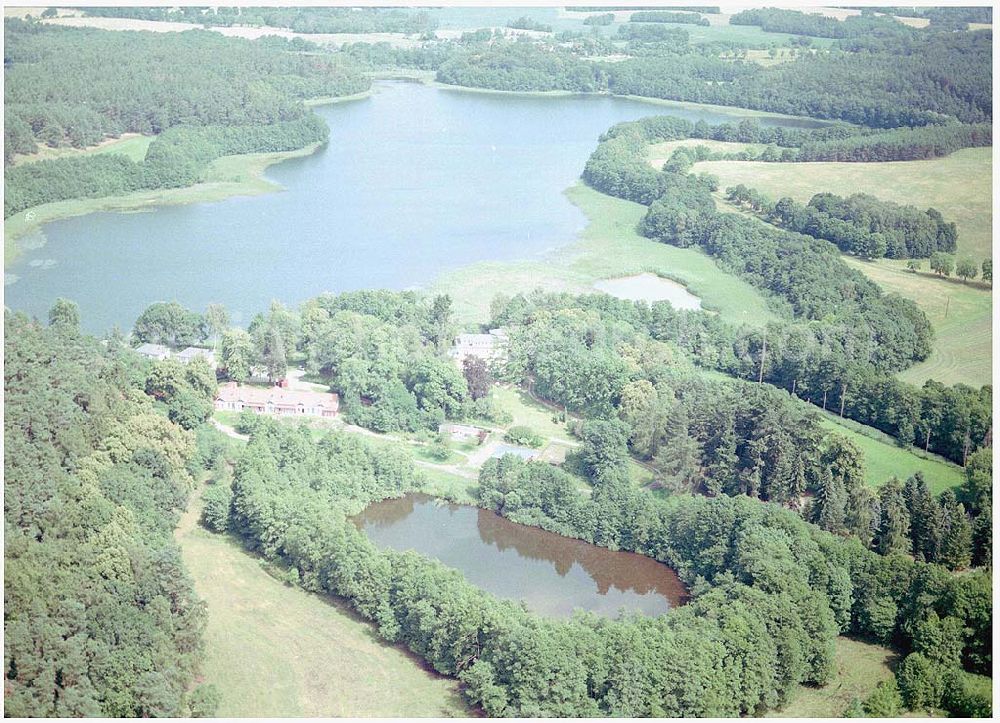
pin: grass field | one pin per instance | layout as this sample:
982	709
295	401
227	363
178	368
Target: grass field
609	247
960	313
659	153
132	145
960	186
860	667
885	459
274	651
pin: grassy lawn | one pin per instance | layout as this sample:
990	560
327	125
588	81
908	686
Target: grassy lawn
860	667
883	458
528	412
609	247
960	313
273	650
449	486
225	177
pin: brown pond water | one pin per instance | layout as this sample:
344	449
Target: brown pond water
552	574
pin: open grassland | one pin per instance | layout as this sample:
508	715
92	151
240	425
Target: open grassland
275	650
960	313
859	668
609	247
132	145
959	186
885	459
225	177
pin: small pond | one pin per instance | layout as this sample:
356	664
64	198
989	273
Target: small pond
650	287
552	574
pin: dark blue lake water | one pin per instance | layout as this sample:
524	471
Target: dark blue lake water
415	180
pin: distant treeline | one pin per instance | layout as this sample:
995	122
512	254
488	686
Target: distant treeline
856	336
299	20
859	224
706	9
884	84
795	22
656	16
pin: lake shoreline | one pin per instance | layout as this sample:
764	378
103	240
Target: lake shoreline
245	173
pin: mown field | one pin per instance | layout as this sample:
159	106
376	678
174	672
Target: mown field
960	187
885	459
960	313
273	650
609	247
860	667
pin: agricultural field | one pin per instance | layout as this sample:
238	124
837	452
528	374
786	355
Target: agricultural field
885	459
961	314
132	145
276	650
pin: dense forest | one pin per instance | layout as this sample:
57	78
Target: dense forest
883	83
100	618
774	20
221	96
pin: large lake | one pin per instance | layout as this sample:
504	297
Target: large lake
415	180
552	574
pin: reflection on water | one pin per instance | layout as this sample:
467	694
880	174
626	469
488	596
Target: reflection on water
552	574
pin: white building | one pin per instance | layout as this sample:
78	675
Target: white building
193	352
157	352
488	347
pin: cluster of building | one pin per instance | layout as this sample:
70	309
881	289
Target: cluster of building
158	352
277	400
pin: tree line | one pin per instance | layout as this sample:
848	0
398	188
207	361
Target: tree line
881	83
299	20
859	224
662	16
795	22
101	618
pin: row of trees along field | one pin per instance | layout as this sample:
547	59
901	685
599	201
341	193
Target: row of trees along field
203	94
839	142
100	617
662	16
596	356
848	337
859	224
769	591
